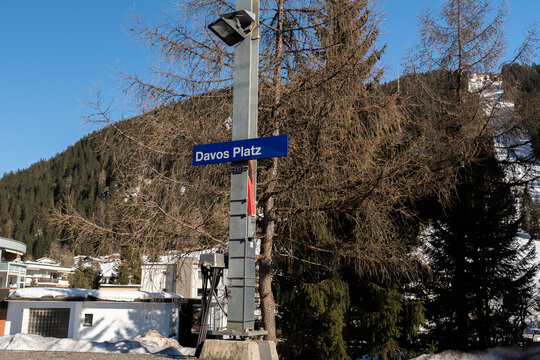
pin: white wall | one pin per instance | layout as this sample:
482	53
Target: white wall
18	312
111	320
157	277
118	321
182	277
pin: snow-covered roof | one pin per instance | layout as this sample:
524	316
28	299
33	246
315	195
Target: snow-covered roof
107	263
104	258
108	269
45	266
38	293
46	260
175	257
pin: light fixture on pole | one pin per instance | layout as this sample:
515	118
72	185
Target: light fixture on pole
233	27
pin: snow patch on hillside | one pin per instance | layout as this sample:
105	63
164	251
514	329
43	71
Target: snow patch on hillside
515	150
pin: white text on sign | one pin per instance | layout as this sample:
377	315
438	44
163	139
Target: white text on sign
237	152
241	150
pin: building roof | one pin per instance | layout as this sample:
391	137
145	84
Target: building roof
107	263
11	244
38	293
173	257
34	265
46	260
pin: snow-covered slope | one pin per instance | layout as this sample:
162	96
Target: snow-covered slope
512	147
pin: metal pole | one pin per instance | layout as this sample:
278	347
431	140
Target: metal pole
7	275
240	313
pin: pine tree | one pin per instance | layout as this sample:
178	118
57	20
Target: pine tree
27	197
86	277
530	212
312	314
129	269
483	276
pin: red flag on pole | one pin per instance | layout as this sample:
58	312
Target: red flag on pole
251	190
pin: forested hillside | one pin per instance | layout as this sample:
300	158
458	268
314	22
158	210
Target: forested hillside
28	196
84	175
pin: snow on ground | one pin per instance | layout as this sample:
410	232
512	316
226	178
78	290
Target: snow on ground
498	353
106	295
149	344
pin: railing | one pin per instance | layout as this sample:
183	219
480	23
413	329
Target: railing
29	279
45	279
12	267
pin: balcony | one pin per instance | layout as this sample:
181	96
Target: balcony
12	274
46	281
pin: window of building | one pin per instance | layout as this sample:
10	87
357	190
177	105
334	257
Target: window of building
49	322
88	319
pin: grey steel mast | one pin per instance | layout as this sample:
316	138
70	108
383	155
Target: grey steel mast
241	277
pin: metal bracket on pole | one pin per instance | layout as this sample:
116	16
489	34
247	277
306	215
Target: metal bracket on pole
238	167
212	270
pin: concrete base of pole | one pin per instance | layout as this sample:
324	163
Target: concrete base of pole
238	350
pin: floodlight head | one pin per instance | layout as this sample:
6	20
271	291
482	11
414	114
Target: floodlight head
233	27
212	260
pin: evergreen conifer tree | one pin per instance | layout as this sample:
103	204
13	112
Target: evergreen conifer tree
129	269
483	275
86	277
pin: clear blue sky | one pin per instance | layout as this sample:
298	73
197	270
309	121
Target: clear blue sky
55	53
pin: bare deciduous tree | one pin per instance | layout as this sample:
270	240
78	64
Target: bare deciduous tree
466	38
355	155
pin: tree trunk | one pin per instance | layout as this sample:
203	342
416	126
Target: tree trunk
268	307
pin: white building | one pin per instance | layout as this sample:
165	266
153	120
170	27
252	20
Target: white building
107	264
93	315
12	269
46	272
177	274
181	274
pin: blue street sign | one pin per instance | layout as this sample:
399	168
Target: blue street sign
248	149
